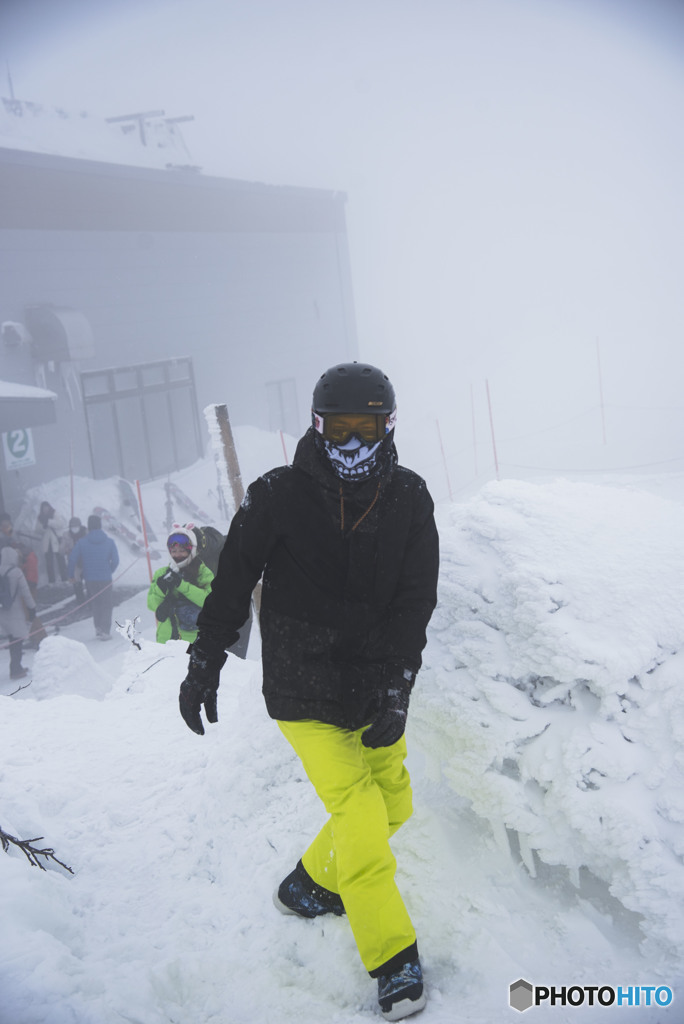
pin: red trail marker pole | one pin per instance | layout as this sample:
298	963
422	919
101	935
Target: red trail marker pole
446	471
144	530
491	425
472	416
600	383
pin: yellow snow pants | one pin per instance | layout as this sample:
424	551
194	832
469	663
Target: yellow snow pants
368	796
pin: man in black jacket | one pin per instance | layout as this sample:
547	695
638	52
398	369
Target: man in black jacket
347	544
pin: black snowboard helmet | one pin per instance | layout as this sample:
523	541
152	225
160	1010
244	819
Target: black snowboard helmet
353	388
353	415
355	392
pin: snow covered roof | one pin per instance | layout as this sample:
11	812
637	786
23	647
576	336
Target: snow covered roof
22	405
9	389
145	139
133	172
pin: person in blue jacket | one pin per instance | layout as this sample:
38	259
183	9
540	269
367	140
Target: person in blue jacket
98	556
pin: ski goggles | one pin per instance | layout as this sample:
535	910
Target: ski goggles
370	427
179	538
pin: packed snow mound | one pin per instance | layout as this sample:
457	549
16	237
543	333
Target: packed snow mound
63	666
551	692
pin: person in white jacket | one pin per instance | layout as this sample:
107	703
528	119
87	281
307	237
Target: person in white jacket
50	527
16	610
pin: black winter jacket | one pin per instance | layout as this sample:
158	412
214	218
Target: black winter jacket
349	584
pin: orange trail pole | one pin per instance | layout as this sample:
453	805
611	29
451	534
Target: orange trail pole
491	426
144	530
446	471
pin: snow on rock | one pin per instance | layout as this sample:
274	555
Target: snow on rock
551	693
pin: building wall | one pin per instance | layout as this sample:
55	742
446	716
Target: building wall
252	282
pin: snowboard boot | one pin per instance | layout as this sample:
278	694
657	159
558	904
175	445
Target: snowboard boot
299	894
401	994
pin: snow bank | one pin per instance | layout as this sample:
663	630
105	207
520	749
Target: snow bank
552	692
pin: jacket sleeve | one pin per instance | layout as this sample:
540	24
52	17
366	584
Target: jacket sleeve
197	593
154	594
24	592
402	636
250	538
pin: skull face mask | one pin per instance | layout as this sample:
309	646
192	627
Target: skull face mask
354	460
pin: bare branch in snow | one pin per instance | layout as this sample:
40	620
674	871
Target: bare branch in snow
30	851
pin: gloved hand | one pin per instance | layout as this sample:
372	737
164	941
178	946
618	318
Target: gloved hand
389	721
169	581
199	687
30	614
163	610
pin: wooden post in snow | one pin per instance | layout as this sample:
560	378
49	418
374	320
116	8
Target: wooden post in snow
230	455
232	467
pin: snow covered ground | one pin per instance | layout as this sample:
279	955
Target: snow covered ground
546	740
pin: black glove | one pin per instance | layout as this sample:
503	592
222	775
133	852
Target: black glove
163	610
389	721
169	581
30	614
199	687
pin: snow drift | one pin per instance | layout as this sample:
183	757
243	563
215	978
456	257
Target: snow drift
546	752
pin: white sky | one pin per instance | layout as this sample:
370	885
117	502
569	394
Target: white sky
513	171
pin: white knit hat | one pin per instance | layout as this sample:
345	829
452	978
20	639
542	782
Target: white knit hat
184	535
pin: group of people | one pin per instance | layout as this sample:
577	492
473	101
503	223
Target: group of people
87	558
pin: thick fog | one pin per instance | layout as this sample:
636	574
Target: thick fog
513	173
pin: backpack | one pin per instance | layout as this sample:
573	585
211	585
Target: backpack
6	596
209	545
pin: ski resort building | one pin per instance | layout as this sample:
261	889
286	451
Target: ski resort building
136	290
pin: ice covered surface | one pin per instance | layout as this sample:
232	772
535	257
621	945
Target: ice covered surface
546	746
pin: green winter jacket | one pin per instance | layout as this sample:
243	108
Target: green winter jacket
177	612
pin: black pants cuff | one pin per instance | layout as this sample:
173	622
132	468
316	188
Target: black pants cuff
397	961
